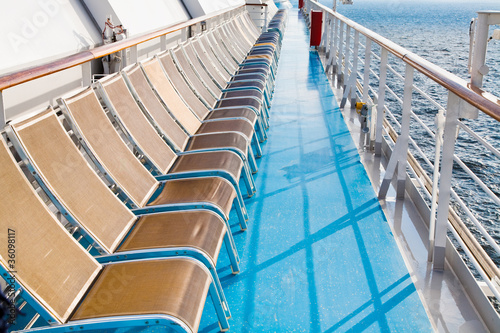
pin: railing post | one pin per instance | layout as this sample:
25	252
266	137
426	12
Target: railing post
265	19
133	55
400	153
478	67
351	82
450	135
87	73
440	121
326	33
346	56
163	42
381	101
328	41
366	92
333	51
338	72
366	79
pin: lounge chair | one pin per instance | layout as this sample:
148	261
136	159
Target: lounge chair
165	162
233	108
139	188
212	100
212	85
200	135
229	80
72	291
85	200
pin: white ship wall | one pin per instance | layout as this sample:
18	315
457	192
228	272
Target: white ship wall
138	17
38	31
203	7
35	32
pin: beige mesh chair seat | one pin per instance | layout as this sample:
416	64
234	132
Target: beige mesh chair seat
174	287
199	229
68	286
214	160
167	110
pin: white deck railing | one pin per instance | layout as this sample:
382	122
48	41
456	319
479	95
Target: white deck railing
371	69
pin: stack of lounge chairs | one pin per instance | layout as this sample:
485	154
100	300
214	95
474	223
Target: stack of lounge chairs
143	169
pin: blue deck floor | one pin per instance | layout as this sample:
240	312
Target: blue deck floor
318	255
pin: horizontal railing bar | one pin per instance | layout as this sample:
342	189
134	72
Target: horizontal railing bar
13	79
484	101
429	98
476	179
480	139
415	87
475	221
394	94
421	152
474	262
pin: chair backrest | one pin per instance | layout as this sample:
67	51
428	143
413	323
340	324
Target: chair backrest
181	86
230	49
169	96
71	180
118	97
48	263
158	113
250	26
221	50
232	43
211	63
194	79
234	30
223	64
90	121
237	30
196	62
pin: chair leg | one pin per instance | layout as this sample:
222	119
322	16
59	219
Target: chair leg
249	182
261	131
233	255
241	203
251	161
265	122
223	323
241	215
256	145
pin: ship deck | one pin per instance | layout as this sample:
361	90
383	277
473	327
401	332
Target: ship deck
319	254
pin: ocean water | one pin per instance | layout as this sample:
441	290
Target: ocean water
439	32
